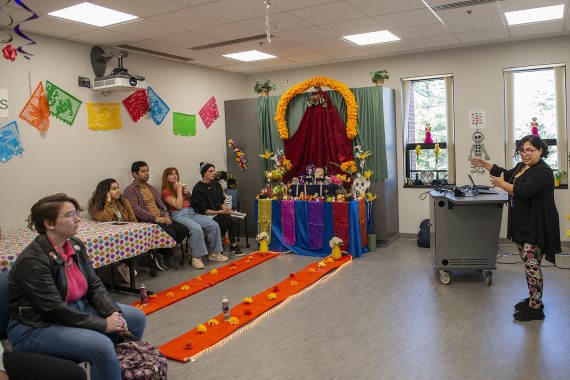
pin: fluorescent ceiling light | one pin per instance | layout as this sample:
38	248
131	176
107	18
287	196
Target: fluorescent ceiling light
92	14
249	56
528	16
372	38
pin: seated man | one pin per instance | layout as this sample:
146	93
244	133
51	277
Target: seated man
148	207
208	199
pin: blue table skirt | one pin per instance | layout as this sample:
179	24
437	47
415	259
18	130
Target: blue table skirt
302	244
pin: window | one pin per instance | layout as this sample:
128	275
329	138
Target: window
427	110
537	92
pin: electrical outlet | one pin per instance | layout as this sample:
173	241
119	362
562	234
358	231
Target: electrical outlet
287	82
84	82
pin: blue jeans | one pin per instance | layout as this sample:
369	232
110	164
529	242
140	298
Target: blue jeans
77	344
200	225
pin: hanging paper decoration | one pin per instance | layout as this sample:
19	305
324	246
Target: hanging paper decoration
62	105
9	52
288	221
158	108
137	104
183	125
316	224
19	32
209	113
238	155
36	110
7	27
10	143
104	116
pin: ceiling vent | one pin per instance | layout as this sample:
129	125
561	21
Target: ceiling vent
157	53
231	42
460	4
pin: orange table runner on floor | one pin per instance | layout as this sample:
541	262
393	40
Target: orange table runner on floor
189	345
178	292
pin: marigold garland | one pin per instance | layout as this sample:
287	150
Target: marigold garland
351	106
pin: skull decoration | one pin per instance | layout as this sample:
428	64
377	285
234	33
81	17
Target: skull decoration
224	184
360	186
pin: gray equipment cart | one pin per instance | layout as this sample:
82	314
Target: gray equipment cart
464	232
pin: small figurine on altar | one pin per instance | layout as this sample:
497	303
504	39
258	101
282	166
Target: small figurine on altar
428	139
319	174
327	180
295	181
340	198
310	173
534	127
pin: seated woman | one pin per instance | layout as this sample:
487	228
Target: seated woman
107	205
177	198
208	199
59	307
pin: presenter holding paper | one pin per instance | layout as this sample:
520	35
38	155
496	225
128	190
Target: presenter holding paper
533	219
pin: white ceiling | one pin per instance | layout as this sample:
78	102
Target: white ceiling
305	32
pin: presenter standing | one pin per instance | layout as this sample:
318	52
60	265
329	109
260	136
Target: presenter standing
533	219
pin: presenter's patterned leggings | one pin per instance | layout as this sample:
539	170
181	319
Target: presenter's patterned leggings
531	258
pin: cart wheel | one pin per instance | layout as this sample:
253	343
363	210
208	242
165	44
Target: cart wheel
445	277
488	277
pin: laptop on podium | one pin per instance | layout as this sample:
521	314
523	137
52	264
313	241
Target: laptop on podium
480	189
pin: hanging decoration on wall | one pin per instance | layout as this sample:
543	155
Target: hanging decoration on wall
183	125
62	105
36	110
267	25
10	142
104	116
428	139
534	127
158	108
5	25
8	52
478	151
239	155
137	104
19	32
350	100
209	113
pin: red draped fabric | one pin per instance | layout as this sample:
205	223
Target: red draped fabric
319	140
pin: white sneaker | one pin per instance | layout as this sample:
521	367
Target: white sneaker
217	257
123	270
197	263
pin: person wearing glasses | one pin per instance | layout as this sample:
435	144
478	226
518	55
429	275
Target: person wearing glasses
58	305
533	218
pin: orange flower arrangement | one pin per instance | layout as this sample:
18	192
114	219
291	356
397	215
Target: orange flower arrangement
351	106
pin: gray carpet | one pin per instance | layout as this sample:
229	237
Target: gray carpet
384	316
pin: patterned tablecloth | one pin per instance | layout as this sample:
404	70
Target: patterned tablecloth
105	242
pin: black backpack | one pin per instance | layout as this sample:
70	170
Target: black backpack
423	235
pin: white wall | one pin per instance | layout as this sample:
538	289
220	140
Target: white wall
478	85
73	159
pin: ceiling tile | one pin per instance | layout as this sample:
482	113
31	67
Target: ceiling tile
308	57
408	18
421	31
515	5
476	23
326	14
156	46
382	7
214	61
361	25
483	35
305	35
391	47
104	37
329	44
236	10
144	28
537	29
351	52
240	67
18	15
42	7
190	19
51	26
431	42
140	8
187	39
230	31
476	11
194	3
279	22
288	5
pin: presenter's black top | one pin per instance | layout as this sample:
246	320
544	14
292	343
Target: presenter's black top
533	218
207	196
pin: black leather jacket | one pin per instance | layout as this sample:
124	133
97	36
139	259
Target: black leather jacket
38	288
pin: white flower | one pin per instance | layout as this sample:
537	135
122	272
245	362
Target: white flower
335	241
262	236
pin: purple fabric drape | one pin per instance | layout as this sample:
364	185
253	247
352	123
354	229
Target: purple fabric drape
320	140
315	225
288	221
340	221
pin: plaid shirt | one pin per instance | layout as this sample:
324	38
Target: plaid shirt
135	196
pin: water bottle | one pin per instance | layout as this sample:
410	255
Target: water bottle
144	295
226	308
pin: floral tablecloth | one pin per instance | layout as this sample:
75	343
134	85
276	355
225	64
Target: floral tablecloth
105	242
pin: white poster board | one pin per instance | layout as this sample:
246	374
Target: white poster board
4	111
477	119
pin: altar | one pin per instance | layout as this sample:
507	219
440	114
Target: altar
310	236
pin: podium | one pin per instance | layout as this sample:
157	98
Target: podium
464	232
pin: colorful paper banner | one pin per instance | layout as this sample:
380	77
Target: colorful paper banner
104	116
10	143
158	108
137	104
183	125
62	105
209	113
36	110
